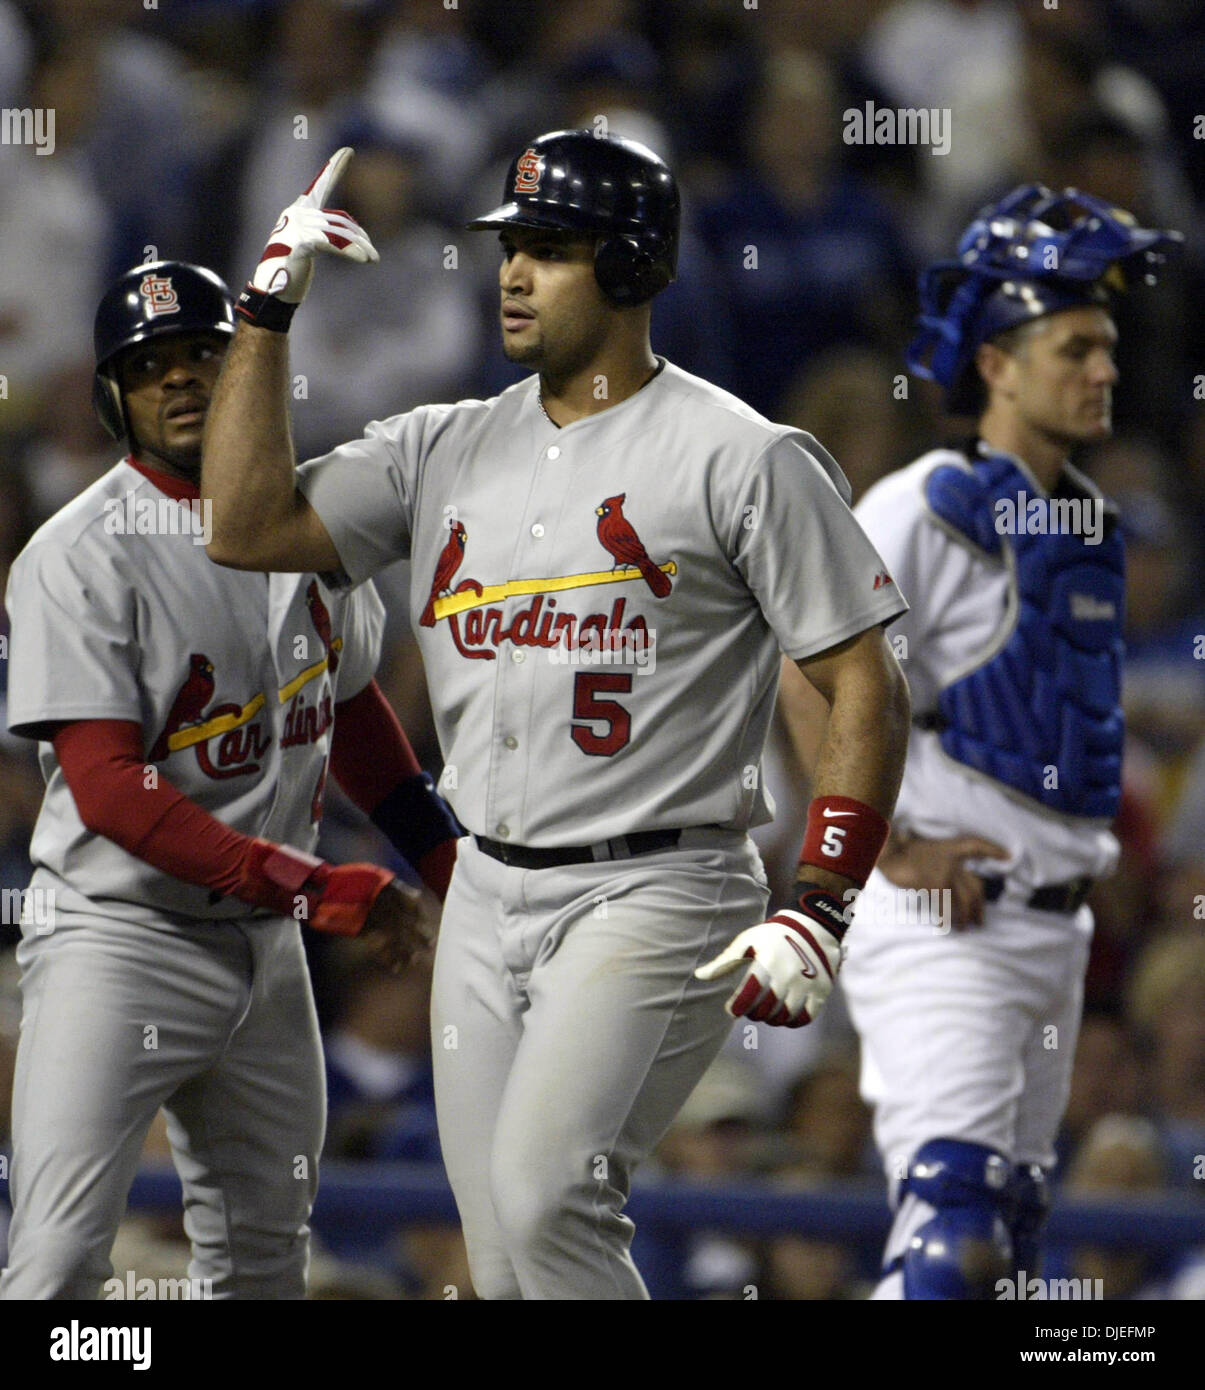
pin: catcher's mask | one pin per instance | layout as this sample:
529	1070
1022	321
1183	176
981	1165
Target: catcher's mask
1033	253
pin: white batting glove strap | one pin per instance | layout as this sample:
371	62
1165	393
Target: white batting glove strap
306	228
795	960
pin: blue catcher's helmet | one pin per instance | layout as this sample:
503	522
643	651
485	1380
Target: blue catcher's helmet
1033	253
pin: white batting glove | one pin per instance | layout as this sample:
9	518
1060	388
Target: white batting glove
795	958
306	228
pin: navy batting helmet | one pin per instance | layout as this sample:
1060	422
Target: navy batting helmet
147	302
1033	253
576	181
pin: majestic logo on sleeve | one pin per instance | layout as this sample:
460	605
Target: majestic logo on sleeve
159	296
539	624
528	171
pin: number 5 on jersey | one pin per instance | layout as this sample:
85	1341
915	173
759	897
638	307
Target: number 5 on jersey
586	705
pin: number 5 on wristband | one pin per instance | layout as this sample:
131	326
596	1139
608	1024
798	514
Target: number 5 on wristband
843	835
833	840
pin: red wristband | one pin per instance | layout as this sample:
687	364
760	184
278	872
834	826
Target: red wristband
843	835
337	898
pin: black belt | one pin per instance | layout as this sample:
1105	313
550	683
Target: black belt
622	847
1054	897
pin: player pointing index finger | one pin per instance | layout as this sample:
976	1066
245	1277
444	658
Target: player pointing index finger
608	560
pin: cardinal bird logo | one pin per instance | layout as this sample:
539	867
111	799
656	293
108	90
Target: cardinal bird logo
449	563
321	619
189	705
618	536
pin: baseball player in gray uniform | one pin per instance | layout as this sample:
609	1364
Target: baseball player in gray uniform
968	1006
186	724
608	558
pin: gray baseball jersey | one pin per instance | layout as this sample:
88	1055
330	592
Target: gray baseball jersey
601	610
138	992
232	676
679	524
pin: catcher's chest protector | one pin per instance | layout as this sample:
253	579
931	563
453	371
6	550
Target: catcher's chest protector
1040	709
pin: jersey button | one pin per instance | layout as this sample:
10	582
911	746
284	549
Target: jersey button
537	530
502	830
511	741
554	451
518	656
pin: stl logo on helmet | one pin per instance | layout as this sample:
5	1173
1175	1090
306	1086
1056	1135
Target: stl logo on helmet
528	170
159	296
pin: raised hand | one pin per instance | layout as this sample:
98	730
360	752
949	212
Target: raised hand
305	229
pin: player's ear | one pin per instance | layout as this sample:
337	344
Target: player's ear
993	365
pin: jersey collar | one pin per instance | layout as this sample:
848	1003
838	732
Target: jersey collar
179	488
539	403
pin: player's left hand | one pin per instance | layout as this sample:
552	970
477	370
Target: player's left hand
403	922
306	228
795	958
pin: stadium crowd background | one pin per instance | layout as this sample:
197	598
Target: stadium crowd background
183	127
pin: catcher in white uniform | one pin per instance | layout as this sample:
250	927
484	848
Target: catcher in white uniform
968	1003
186	719
609	557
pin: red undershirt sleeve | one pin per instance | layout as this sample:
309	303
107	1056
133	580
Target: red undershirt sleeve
105	767
375	765
370	753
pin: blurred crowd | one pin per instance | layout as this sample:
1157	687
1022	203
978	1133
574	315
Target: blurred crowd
182	129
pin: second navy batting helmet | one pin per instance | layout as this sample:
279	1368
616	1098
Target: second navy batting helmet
147	302
1033	253
576	181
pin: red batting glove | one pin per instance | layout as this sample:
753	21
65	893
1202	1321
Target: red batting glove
331	898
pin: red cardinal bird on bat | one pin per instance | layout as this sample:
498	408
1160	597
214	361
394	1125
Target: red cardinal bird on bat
616	533
321	619
189	704
449	563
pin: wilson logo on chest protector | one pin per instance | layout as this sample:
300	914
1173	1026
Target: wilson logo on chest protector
1090	609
